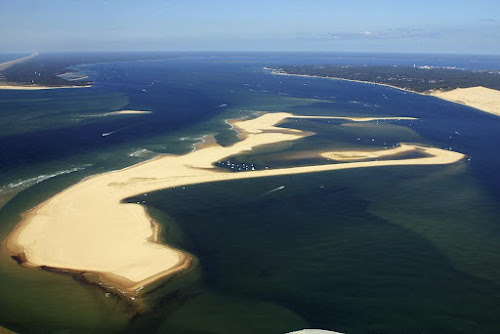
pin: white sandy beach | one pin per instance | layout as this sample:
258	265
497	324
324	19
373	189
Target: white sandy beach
4	330
7	86
276	72
314	331
127	112
86	228
363	155
481	98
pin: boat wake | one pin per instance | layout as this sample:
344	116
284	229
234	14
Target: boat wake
105	134
273	190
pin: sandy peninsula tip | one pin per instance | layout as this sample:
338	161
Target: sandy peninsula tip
10	86
128	112
89	228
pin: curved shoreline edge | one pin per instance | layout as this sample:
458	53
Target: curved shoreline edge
24	86
87	228
480	98
7	86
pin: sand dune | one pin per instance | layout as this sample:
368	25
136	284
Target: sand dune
87	228
481	98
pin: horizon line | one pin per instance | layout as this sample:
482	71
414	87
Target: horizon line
258	51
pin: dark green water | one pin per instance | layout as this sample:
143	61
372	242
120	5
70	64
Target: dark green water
411	249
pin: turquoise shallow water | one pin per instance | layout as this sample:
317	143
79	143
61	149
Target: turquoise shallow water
390	250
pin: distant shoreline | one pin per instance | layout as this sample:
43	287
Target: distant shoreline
277	72
470	97
10	63
16	82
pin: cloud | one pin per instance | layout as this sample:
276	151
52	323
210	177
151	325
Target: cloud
400	33
488	20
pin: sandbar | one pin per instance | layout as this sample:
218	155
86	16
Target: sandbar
4	330
362	155
127	112
484	99
16	86
9	86
10	63
314	331
87	228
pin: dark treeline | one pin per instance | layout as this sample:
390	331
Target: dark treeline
419	79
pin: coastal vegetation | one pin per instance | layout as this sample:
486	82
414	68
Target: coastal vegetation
54	69
417	78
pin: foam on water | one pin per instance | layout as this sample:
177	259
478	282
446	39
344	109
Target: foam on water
142	153
23	184
314	331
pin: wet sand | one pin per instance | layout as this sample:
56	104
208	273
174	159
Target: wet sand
363	155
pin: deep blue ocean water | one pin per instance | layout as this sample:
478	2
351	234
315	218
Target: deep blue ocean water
381	250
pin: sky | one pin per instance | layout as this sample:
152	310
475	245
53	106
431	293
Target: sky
438	26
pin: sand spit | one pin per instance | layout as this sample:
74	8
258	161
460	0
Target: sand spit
358	119
481	98
362	155
314	331
8	86
10	63
88	229
276	72
16	86
127	112
4	330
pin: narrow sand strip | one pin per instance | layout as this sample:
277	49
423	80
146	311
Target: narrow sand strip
358	119
127	112
35	87
10	63
362	155
268	122
481	98
86	228
314	331
276	72
16	86
4	330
